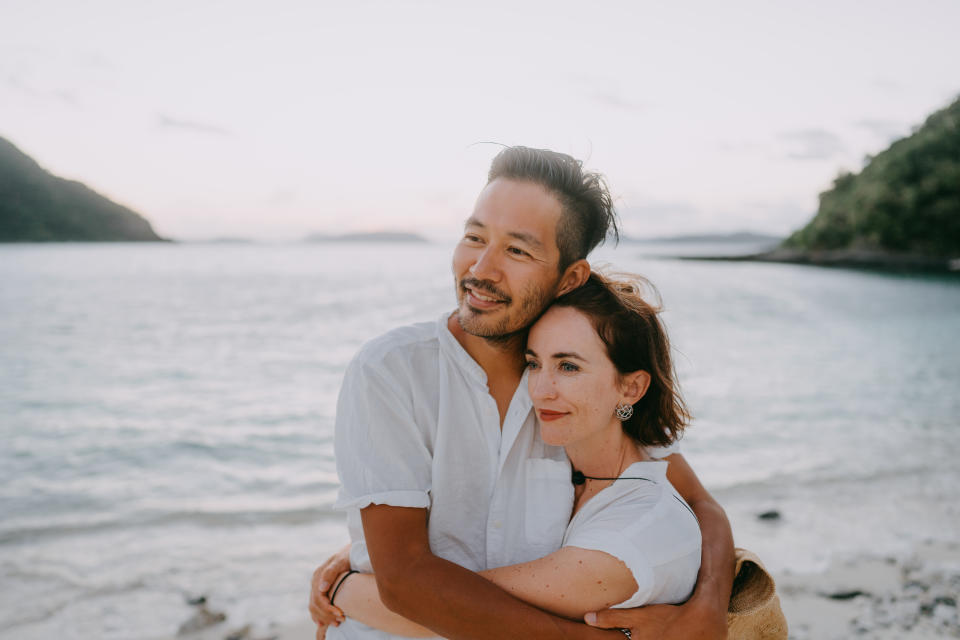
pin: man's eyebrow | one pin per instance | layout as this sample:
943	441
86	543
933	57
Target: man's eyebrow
530	239
531	352
522	236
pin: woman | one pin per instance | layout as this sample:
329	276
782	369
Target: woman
603	387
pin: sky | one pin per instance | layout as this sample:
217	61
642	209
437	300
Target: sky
273	120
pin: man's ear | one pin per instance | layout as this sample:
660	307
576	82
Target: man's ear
634	385
574	276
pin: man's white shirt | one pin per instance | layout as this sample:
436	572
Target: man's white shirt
416	426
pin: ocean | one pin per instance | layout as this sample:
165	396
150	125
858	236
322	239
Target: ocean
166	414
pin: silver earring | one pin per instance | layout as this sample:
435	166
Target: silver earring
624	411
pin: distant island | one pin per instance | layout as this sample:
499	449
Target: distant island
738	237
37	206
374	236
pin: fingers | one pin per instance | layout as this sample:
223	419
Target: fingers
329	572
610	619
335	565
321	610
325	615
318	584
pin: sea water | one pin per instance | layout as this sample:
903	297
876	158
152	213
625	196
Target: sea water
166	415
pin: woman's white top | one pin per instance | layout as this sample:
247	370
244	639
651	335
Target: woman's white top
646	525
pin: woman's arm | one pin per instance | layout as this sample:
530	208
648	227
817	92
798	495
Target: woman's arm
569	582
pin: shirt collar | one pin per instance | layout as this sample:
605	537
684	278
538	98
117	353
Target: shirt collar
452	348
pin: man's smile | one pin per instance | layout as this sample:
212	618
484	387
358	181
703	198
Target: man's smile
480	297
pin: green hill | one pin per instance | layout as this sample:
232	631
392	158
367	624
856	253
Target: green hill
905	201
36	206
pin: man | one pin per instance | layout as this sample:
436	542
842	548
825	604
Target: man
442	469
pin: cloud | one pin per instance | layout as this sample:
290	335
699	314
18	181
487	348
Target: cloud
618	101
63	96
887	85
167	122
605	91
888	130
811	144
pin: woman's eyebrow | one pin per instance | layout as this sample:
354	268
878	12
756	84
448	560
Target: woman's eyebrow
568	354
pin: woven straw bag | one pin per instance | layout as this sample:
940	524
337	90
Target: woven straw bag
754	612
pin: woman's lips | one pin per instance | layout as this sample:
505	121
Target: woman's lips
547	415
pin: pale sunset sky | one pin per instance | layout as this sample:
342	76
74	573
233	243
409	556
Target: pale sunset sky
271	120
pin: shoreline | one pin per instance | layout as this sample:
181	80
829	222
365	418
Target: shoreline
881	597
854	258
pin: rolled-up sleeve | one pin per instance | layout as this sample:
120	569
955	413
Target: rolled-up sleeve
621	547
383	456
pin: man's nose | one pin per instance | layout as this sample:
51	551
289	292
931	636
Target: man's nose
487	266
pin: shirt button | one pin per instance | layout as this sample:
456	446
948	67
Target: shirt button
497	524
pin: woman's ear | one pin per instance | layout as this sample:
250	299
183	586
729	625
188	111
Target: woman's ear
634	386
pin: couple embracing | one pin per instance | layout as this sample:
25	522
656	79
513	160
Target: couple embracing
510	470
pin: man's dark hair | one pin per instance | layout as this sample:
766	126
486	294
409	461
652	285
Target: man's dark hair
587	215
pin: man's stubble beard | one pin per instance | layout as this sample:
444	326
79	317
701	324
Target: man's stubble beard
515	323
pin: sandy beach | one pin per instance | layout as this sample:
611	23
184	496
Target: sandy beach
876	597
886	598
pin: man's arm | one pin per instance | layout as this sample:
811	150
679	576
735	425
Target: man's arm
704	615
450	600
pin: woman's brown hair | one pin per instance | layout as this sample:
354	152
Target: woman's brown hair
635	340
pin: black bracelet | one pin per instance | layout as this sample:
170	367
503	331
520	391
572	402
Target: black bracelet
340	584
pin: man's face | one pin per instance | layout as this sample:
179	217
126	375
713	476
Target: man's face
505	266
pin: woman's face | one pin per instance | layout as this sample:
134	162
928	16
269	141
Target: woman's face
573	384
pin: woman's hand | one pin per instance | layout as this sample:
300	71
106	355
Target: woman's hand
322	611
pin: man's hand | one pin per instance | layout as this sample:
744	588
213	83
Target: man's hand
663	622
322	611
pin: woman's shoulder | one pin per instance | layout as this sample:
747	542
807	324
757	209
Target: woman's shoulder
642	521
644	508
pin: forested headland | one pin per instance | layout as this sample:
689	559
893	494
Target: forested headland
37	206
904	204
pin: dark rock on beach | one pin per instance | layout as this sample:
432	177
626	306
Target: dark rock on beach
200	620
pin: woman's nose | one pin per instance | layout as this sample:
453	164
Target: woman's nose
541	386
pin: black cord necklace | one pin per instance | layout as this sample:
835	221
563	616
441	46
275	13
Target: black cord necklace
579	478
